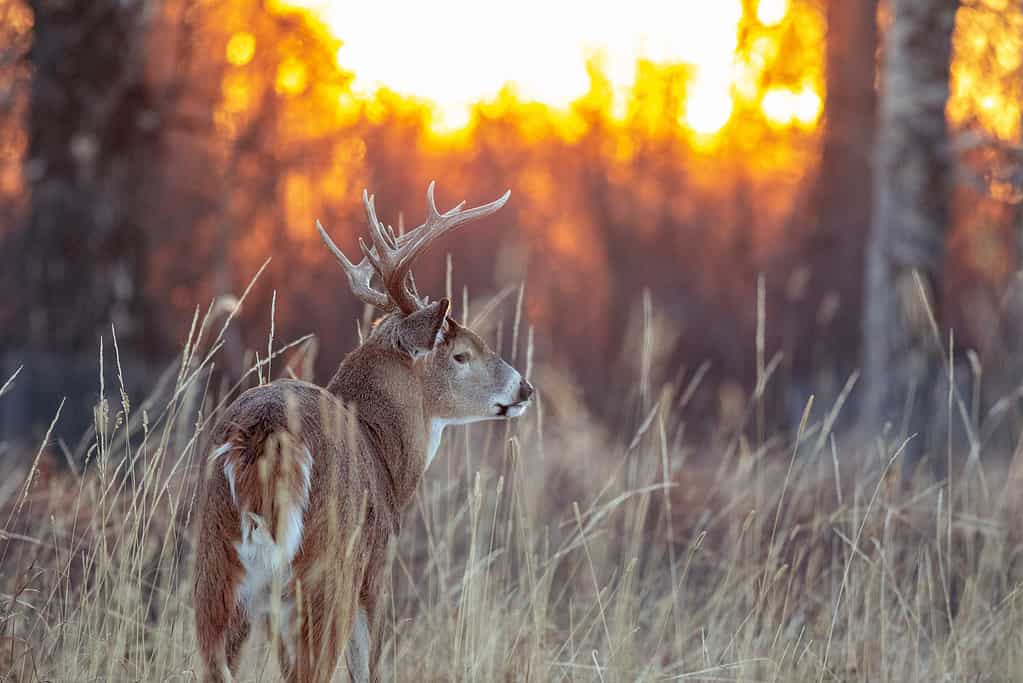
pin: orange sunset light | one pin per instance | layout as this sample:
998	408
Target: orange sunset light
455	54
733	73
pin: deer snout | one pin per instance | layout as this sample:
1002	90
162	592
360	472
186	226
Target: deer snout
526	390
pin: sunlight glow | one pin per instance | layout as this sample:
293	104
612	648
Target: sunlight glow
452	56
291	77
771	12
458	52
707	108
241	48
785	107
988	52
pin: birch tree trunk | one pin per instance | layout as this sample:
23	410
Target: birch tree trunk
906	252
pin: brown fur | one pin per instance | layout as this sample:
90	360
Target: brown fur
368	432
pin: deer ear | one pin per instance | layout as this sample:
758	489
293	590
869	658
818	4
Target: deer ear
419	332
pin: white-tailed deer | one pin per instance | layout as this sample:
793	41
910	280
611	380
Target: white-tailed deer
306	484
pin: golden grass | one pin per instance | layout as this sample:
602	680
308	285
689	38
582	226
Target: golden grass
546	549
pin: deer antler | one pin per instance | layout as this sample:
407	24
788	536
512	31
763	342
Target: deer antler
391	256
360	276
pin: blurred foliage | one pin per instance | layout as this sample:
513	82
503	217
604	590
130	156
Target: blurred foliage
262	134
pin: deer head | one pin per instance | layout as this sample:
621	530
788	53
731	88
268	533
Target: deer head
462	379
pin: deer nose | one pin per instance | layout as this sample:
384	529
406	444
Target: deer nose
525	391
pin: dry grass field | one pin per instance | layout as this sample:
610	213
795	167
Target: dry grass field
548	549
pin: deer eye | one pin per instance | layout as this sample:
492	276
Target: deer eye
461	357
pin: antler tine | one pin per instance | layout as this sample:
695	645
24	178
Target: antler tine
359	276
410	245
432	214
391	255
377	229
438	223
415	292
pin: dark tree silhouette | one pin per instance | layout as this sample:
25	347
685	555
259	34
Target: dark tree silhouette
92	136
840	202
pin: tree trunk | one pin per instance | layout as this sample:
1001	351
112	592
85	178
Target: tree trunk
912	189
841	200
92	134
1004	352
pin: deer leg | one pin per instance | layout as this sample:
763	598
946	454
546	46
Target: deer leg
224	638
318	633
220	622
316	654
237	634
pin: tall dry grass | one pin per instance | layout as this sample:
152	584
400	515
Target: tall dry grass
551	548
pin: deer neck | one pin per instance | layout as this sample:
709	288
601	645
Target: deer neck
388	401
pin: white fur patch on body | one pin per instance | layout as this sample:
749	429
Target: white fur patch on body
267	563
229	473
220	450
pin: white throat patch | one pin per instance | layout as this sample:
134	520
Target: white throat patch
437	426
